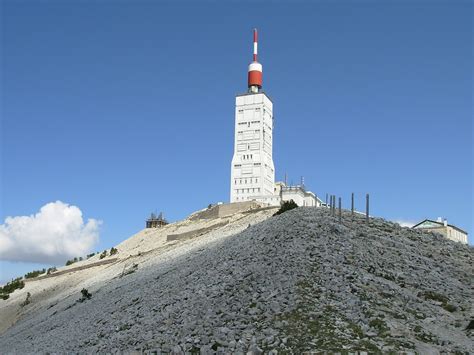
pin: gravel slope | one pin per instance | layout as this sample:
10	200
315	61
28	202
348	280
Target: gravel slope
298	281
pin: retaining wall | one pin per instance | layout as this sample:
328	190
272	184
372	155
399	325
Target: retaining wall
77	268
194	233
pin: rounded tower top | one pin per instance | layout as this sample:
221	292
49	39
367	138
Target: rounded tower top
255	68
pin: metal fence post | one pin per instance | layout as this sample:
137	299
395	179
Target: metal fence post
334	205
340	209
367	208
352	204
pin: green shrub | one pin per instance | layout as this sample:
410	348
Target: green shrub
90	255
450	307
27	300
103	255
113	251
431	295
31	274
85	295
72	261
379	324
51	270
10	287
286	206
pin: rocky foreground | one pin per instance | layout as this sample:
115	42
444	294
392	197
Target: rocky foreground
300	281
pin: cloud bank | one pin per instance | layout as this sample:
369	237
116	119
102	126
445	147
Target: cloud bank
54	234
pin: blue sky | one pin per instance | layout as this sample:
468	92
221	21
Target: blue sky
122	108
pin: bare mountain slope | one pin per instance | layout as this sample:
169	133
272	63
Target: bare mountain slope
294	282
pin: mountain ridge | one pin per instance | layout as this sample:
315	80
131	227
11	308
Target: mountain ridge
300	281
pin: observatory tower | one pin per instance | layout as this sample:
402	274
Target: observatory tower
253	172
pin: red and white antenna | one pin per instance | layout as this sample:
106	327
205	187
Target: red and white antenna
255	68
255	44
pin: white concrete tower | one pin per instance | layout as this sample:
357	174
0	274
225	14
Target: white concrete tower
253	172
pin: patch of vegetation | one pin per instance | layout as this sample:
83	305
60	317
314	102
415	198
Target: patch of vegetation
113	251
388	277
450	307
130	270
470	326
367	345
307	333
310	327
195	350
103	254
34	273
356	330
72	261
431	295
90	255
11	287
51	270
416	314
286	206
85	295
425	337
27	300
379	324
397	315
216	346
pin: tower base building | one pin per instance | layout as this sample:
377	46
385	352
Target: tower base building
253	171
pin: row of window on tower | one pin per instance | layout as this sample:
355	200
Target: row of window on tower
245	181
248	123
256	109
243	191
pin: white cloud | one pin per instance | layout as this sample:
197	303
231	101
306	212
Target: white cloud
57	232
404	223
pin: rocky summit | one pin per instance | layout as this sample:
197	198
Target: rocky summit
301	281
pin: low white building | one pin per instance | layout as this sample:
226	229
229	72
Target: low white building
297	193
442	227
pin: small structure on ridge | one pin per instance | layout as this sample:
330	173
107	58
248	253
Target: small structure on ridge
155	221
